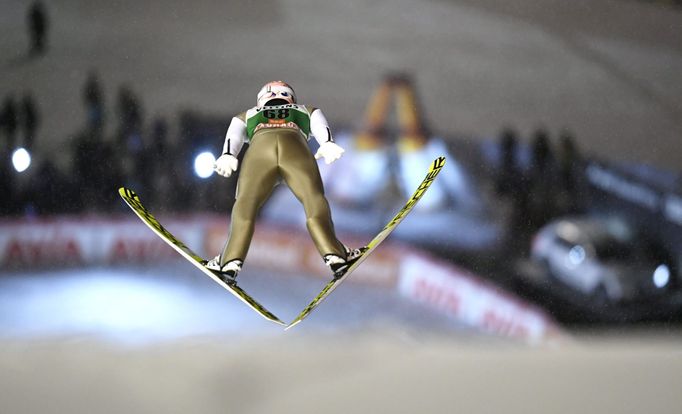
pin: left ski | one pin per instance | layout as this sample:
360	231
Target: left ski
435	168
135	204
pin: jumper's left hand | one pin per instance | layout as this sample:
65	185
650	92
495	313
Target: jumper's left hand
329	151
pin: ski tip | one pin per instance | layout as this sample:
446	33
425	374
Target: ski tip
126	192
438	163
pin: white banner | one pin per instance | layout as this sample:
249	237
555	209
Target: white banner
466	298
73	241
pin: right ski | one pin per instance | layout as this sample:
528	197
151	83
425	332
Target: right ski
435	168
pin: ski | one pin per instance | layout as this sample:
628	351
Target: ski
436	167
135	204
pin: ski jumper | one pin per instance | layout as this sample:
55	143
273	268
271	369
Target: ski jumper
278	151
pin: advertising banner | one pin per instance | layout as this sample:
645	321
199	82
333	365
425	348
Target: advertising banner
461	296
456	293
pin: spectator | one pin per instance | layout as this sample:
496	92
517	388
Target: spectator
541	153
541	180
8	120
96	172
8	126
129	112
94	104
87	169
45	195
110	175
159	141
130	145
567	161
511	183
568	170
30	120
7	201
509	174
38	25
158	164
146	160
157	148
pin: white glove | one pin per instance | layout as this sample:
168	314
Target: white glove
226	165
330	151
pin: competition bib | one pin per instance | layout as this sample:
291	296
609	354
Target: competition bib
282	116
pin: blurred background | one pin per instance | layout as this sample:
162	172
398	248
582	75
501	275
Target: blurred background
540	273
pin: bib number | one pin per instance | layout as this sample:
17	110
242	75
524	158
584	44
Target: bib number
282	113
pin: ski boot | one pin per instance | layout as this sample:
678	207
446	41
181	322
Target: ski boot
339	265
227	272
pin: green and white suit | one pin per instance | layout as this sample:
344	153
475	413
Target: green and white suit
278	151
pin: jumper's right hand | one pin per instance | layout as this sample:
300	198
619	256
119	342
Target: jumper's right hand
226	165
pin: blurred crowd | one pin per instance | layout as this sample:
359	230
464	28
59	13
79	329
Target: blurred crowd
136	151
547	185
120	146
115	146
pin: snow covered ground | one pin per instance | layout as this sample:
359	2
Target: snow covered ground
140	305
377	370
166	339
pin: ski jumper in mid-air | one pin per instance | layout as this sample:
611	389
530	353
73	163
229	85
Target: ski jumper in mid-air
277	130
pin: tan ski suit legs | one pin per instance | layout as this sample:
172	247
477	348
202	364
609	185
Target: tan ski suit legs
273	155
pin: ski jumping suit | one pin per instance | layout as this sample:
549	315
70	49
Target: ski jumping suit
278	150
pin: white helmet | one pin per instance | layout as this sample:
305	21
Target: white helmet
276	90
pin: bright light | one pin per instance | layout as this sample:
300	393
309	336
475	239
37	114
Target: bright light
203	165
21	160
576	255
661	276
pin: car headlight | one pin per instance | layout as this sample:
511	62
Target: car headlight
661	276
